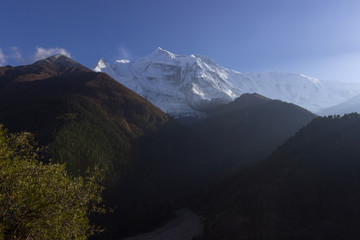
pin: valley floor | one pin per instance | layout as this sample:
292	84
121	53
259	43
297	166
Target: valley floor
184	227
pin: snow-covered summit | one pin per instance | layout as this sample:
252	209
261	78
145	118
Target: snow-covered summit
161	53
101	64
185	85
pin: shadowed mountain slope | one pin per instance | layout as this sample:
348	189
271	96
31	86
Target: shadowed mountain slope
69	106
307	189
85	118
251	127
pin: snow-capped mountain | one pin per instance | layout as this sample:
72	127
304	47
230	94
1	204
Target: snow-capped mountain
186	85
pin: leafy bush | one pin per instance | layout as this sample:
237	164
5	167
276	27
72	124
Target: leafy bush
41	201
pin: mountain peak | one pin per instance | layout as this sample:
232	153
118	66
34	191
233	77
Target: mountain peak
101	64
250	99
59	60
249	96
159	52
58	56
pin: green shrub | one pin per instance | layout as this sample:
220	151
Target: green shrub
42	201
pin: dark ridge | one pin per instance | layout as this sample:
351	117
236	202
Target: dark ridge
42	69
308	188
251	127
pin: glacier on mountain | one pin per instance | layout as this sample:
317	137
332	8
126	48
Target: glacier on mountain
187	85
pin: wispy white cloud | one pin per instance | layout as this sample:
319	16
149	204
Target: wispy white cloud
124	53
2	57
14	53
10	54
42	53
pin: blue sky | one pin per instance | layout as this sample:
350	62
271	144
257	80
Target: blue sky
319	38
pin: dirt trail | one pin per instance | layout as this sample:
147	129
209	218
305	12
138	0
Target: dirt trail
184	227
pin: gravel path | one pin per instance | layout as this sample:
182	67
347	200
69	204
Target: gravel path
184	227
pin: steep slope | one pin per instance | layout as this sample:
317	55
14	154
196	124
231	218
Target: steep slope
56	98
87	119
186	85
251	127
307	189
186	162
